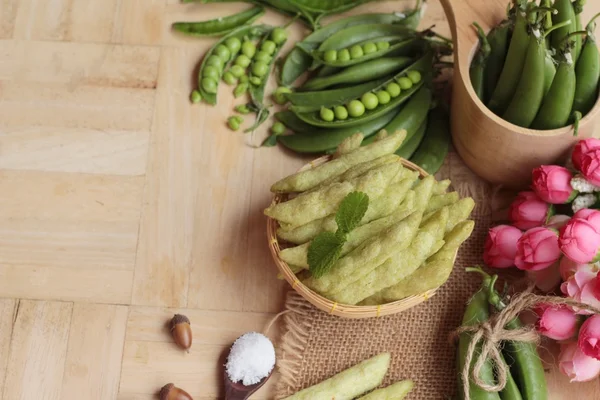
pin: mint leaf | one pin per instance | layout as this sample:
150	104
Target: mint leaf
323	252
352	210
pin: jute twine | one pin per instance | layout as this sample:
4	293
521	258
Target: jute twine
492	333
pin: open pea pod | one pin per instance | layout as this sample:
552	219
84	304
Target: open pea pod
219	26
251	32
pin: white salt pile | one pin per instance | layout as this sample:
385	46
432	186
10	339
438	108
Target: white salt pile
251	359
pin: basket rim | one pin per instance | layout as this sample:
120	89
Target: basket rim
322	303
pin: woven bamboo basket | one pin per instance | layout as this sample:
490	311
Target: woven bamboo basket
333	308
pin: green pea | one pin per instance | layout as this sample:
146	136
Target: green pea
340	112
414	76
237	71
255	80
209	85
279	97
356	108
404	83
260	68
263	56
195	97
244	79
383	46
370	101
248	49
210	71
330	55
223	52
234	122
326	114
240	90
233	44
279	35
268	46
242	109
383	97
369	48
356	51
243	61
343	55
229	78
278	128
393	89
216	62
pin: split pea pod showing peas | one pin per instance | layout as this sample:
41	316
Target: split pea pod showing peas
214	62
298	60
271	44
588	73
433	149
219	26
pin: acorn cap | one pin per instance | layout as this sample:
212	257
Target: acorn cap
179	319
164	392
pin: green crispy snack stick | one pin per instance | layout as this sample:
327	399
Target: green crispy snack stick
396	391
441	187
400	265
298	256
441	200
434	272
349	145
459	211
305	180
380	207
318	204
350	383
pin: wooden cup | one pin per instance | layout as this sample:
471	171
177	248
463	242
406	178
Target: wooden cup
493	148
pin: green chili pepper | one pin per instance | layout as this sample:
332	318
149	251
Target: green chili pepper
220	26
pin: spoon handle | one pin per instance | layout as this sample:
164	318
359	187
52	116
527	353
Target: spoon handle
232	393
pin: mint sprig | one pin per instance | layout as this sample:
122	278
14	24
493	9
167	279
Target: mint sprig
326	247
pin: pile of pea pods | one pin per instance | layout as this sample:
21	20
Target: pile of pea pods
540	67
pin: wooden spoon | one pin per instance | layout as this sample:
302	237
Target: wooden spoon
238	391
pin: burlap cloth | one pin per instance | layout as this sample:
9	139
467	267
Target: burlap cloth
315	345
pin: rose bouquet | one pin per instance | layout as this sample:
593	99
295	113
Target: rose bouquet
554	235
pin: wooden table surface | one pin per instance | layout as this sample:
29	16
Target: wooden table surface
121	204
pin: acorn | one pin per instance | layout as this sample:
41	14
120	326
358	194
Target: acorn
181	331
172	392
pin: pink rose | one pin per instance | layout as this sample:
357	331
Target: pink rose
553	184
546	279
574	285
576	365
501	246
590	166
589	337
528	211
581	148
568	268
557	322
590	294
537	249
580	237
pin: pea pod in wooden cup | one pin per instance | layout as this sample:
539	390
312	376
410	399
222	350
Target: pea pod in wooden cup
587	73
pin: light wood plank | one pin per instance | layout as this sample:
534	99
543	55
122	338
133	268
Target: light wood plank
38	350
68	20
8	12
26	104
140	22
75	150
79	64
8	307
93	365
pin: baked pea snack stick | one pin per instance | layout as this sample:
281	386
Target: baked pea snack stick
350	383
440	187
459	212
441	200
323	202
308	179
397	391
348	145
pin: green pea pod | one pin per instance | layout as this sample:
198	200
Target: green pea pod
409	146
396	48
329	6
588	74
549	72
557	104
528	97
254	31
513	66
565	13
321	140
293	123
326	70
511	390
498	38
477	68
219	26
367	71
433	150
299	60
313	101
578	39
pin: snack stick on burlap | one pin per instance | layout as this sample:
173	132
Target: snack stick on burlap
298	256
441	200
349	145
319	204
432	274
400	265
441	187
396	391
374	251
380	207
350	383
305	180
